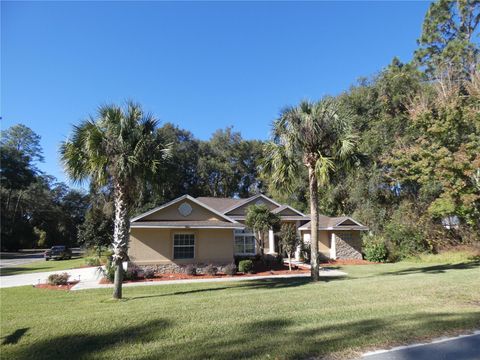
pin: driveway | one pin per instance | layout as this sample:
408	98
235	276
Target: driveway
465	347
85	275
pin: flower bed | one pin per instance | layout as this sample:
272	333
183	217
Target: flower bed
66	287
183	276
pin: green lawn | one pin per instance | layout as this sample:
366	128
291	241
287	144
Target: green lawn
375	306
42	265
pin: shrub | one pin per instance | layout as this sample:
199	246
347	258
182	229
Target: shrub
109	272
230	269
58	279
245	266
254	258
191	270
375	249
305	252
92	261
131	273
211	270
149	273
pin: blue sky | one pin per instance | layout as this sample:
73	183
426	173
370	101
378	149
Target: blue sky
202	66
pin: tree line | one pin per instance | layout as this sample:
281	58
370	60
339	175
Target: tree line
39	211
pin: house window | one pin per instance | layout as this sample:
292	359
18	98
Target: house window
244	242
183	246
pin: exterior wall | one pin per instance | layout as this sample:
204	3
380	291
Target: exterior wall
323	241
348	249
344	249
155	247
171	213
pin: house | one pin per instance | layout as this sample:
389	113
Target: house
210	230
338	237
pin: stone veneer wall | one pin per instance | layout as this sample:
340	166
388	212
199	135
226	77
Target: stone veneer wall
178	269
348	250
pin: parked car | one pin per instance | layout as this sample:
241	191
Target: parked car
58	252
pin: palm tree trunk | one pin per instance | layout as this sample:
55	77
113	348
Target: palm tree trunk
120	237
313	187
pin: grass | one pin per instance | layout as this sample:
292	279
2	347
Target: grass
452	256
42	265
375	306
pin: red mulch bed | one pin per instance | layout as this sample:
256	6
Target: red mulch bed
347	262
57	287
181	276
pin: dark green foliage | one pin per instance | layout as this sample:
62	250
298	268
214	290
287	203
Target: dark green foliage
109	272
230	269
375	249
448	37
35	209
289	239
191	269
58	279
131	273
211	270
245	266
97	229
260	219
148	273
92	261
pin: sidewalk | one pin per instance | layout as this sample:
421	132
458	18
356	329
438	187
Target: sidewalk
88	275
89	278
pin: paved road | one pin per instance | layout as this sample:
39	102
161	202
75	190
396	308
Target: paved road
14	259
465	347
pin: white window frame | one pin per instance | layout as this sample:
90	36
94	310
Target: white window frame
174	246
243	234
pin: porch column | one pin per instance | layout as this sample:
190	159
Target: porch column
333	247
298	251
271	242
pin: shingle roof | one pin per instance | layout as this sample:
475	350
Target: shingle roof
219	204
186	224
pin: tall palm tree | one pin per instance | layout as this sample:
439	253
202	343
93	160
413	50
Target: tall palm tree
118	148
260	219
318	135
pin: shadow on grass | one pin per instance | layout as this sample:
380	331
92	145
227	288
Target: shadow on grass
247	284
83	345
14	337
435	269
273	337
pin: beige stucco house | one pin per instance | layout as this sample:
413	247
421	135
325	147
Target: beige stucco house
209	230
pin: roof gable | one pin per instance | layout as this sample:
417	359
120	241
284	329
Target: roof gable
335	223
286	210
260	199
184	208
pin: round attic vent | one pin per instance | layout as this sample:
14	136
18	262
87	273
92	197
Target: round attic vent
185	209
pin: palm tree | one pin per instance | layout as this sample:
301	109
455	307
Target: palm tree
117	149
260	219
318	135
